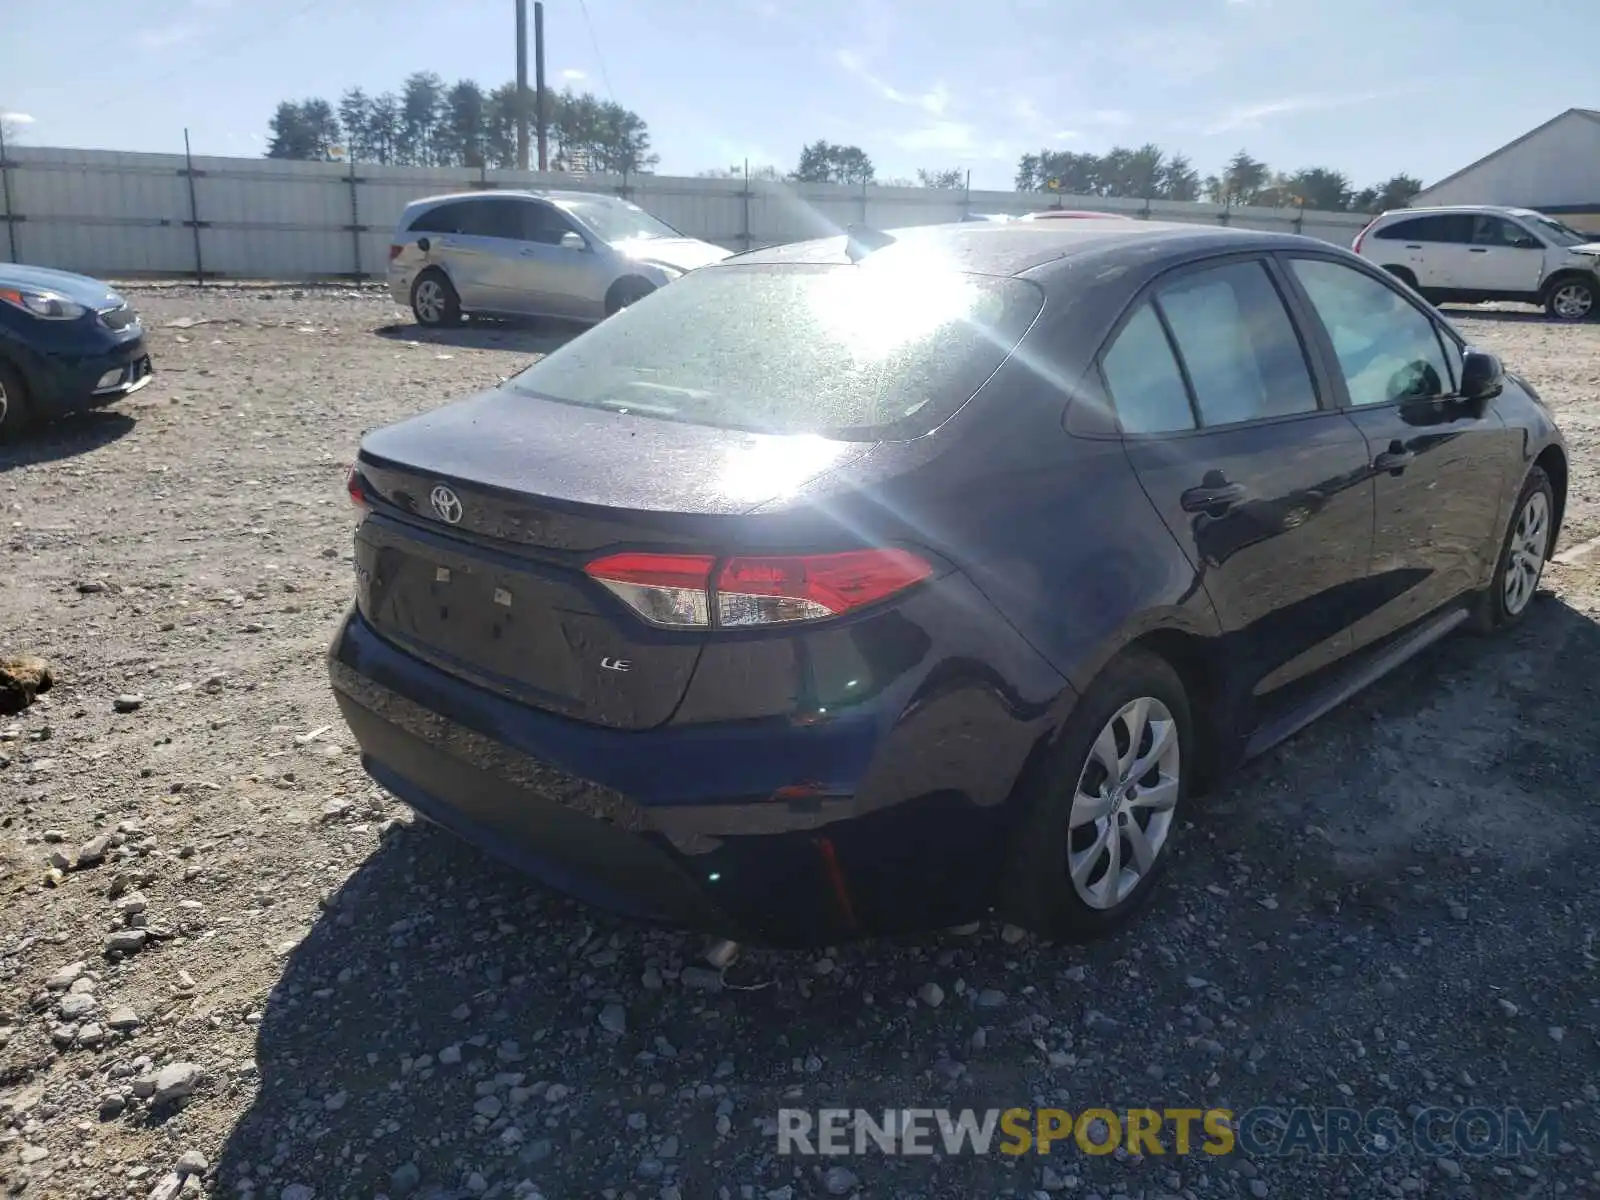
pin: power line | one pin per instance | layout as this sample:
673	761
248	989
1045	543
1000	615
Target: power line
595	43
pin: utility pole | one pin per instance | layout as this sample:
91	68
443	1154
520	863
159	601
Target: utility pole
522	85
538	75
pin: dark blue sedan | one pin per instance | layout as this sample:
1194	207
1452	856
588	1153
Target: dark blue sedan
67	343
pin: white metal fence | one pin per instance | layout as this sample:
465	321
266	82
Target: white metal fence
119	215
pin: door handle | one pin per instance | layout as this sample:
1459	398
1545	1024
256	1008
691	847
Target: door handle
1413	245
1478	250
528	252
1213	498
1394	459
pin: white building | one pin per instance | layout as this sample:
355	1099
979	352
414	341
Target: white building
1554	168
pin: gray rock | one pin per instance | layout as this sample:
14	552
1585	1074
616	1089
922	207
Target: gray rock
123	1018
77	1005
450	1055
991	998
931	994
170	1186
132	904
336	1101
176	1082
127	702
193	1163
839	1181
65	977
92	1034
651	979
93	852
489	1107
297	1191
404	1180
701	979
1448	1167
111	1105
126	941
614	1019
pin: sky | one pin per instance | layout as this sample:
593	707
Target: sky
1370	87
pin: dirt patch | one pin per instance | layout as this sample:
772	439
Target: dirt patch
1394	909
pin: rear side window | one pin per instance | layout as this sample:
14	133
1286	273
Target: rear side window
493	218
444	218
1243	357
1388	349
1451	228
1143	378
859	352
1497	231
543	223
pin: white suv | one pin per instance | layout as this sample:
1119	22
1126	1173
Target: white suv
1475	252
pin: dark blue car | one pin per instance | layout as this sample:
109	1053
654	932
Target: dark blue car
861	585
67	343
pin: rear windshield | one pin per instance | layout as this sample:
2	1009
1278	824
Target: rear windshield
854	352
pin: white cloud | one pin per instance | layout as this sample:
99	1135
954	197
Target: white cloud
573	74
163	36
1251	116
16	118
936	100
1114	117
959	139
1065	135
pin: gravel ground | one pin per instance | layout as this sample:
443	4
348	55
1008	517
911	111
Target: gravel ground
248	974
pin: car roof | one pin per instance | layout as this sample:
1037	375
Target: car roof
1426	209
509	194
1032	248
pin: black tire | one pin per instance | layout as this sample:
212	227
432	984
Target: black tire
628	290
1491	609
1404	276
1041	894
1570	298
15	414
440	306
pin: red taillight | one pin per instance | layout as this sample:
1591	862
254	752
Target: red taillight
394	251
678	590
356	487
1356	245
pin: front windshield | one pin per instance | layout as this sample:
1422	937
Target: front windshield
1561	235
850	351
618	220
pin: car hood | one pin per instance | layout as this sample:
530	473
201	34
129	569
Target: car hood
80	289
683	254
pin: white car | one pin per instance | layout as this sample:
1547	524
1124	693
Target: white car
1478	252
576	255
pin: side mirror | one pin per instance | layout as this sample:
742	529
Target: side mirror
1482	376
572	241
423	244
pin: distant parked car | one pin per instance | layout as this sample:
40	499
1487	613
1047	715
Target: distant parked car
870	583
67	343
576	255
993	218
1472	253
1074	214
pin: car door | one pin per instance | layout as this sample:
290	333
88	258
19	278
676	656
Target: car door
454	245
1438	464
1264	488
1503	259
554	279
1434	248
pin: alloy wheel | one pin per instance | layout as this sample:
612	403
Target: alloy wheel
1572	301
5	402
429	301
1529	543
1123	807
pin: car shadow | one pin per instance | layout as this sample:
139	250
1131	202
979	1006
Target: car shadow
446	1017
530	336
66	438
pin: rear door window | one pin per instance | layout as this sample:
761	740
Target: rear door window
444	218
543	223
1143	378
492	218
1234	337
1388	349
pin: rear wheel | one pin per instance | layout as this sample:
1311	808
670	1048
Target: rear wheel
1570	299
14	414
1522	557
1097	838
434	301
626	291
1404	276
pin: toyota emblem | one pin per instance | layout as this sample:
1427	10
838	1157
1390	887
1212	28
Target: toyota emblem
446	504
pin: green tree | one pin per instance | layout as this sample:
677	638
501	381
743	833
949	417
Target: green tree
825	162
421	107
1321	188
1397	192
1242	182
462	141
355	115
953	178
1179	180
383	128
307	130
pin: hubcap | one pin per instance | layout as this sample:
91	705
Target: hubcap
1123	807
430	301
1574	300
1529	542
5	403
